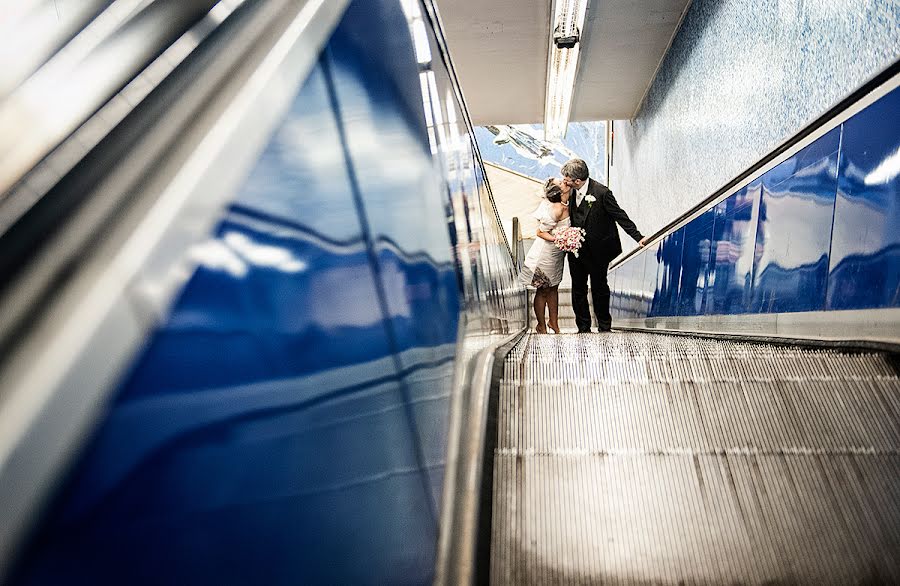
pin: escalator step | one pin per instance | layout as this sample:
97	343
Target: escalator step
646	458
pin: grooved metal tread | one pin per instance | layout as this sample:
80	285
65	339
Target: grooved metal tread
631	458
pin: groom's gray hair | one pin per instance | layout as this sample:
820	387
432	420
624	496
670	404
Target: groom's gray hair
575	169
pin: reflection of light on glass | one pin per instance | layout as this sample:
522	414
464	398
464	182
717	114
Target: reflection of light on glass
417	27
438	110
214	255
886	171
411	9
435	99
429	115
264	255
426	99
304	148
420	37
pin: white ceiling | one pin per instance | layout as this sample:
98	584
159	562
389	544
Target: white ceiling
499	49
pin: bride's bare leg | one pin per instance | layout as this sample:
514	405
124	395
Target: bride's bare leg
540	302
553	308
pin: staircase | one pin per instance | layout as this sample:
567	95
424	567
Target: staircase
566	313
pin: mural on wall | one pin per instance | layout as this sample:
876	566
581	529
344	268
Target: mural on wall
521	148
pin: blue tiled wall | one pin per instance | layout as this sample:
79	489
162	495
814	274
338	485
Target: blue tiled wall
819	231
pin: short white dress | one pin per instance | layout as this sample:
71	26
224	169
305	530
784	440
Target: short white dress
543	265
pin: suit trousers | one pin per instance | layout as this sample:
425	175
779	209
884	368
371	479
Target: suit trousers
581	270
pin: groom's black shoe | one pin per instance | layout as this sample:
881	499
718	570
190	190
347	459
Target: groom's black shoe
584	331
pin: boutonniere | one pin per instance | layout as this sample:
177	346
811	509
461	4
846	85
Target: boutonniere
590	199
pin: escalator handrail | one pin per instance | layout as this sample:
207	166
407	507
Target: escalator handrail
754	170
73	84
464	511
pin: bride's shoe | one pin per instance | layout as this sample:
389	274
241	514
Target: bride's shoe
538	330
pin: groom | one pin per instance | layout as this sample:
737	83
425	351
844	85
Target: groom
594	208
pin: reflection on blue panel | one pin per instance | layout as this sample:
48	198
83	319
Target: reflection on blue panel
404	214
794	231
636	301
733	252
668	257
263	437
648	278
785	242
628	287
695	265
865	250
287	422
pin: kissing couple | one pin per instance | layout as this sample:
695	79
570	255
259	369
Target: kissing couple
575	201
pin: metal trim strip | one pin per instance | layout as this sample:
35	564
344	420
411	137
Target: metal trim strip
868	326
461	508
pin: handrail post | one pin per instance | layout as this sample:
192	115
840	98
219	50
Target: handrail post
518	250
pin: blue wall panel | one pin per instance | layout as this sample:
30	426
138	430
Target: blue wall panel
819	231
624	283
665	300
794	236
404	215
287	423
733	251
695	264
648	278
268	432
865	251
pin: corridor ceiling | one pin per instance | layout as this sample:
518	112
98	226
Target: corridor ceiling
499	49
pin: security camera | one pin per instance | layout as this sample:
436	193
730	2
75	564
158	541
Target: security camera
565	42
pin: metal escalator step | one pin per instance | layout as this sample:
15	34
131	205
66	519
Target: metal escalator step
645	458
705	518
788	416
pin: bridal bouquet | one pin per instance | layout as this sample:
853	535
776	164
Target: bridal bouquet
569	239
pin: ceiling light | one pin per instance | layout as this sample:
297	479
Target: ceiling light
566	25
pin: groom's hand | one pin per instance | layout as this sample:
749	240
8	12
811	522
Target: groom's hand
643	241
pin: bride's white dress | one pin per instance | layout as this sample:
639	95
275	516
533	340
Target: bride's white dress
544	260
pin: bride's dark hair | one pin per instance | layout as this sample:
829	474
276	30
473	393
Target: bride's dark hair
552	191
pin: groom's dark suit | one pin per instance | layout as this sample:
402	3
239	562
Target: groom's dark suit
601	245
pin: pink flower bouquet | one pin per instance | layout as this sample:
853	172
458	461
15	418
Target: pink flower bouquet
569	239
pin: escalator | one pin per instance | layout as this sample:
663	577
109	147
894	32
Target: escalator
643	458
741	425
209	375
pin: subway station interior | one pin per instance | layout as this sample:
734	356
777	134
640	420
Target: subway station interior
263	319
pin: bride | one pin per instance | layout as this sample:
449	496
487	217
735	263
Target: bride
543	267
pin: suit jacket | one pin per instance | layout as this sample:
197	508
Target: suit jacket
601	241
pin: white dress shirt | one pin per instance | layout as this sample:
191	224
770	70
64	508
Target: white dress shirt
581	192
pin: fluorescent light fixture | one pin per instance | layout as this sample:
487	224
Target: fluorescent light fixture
566	26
